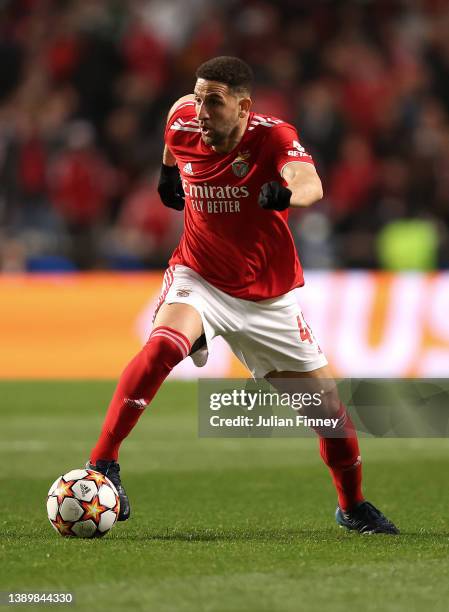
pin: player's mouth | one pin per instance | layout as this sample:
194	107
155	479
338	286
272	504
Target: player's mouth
206	131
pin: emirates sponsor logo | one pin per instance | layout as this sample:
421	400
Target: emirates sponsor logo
203	190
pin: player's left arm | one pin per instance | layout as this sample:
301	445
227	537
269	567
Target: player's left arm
299	183
304	183
303	188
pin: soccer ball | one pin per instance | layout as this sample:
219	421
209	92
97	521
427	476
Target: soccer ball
83	503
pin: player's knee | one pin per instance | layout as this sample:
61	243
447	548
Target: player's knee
330	404
166	347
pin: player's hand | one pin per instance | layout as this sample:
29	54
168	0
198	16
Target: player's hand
274	196
170	187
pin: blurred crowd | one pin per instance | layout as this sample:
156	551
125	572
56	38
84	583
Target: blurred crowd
85	86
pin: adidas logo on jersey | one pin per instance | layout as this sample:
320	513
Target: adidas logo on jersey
188	168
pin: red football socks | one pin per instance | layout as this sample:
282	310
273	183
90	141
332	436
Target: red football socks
342	456
137	386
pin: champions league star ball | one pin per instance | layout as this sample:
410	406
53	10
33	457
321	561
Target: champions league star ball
83	504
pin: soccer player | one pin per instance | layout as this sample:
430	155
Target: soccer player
235	173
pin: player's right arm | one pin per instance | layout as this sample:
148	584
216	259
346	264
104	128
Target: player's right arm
170	186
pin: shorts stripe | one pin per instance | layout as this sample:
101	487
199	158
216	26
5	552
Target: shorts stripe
166	284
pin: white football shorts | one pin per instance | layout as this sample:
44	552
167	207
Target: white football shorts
269	335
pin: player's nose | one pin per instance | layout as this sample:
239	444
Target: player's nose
201	111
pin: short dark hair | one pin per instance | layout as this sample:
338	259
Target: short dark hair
232	71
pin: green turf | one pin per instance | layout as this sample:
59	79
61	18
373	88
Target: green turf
218	524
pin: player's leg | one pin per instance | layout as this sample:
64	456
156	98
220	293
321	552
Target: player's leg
339	449
176	327
280	346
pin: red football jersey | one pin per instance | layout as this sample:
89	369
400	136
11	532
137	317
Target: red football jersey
228	239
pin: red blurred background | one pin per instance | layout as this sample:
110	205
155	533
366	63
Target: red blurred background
84	91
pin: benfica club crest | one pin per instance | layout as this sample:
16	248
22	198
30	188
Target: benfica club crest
240	166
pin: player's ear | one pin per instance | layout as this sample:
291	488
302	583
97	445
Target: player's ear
244	106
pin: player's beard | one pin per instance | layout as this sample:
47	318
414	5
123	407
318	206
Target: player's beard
213	138
217	138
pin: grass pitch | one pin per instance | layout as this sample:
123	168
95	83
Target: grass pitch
217	524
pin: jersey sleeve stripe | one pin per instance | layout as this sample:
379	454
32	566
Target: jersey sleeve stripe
183	105
184	129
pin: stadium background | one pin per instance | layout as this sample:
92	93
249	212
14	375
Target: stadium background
85	88
218	523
